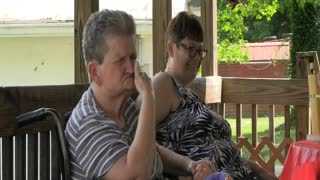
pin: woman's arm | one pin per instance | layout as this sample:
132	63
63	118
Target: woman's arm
178	165
166	96
260	172
174	163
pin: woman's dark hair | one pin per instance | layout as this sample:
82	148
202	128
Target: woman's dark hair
184	25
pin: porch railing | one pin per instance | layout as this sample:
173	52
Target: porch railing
30	155
255	92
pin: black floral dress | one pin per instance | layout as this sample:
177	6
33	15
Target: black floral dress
195	131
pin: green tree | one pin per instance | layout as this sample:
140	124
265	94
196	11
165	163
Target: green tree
280	21
305	26
279	25
231	26
256	19
305	20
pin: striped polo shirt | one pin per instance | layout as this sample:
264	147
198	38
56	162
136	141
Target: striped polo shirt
96	142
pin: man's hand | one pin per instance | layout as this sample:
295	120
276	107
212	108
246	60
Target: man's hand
142	81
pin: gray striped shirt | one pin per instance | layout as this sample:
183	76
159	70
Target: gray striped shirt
96	142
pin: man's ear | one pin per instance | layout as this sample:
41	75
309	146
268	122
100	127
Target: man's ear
93	70
170	46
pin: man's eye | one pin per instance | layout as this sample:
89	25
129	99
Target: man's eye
119	61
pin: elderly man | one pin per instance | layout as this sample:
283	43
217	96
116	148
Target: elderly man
109	135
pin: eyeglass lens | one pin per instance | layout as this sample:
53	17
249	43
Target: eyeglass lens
194	51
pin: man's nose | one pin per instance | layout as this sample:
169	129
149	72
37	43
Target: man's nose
130	65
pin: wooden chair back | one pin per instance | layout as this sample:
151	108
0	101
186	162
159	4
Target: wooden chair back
33	151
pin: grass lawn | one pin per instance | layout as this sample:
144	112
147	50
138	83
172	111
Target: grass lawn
263	130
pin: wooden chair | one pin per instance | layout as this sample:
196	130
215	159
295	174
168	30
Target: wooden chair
33	150
49	114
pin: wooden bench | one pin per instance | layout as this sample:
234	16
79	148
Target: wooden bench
28	152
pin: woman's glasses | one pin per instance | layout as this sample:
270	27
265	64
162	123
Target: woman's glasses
193	51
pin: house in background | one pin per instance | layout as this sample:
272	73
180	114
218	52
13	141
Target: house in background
37	46
267	60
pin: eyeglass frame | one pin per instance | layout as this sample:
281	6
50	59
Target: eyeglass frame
193	51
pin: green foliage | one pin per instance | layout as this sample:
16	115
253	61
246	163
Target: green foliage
261	18
279	24
199	73
257	29
306	30
301	3
233	52
231	26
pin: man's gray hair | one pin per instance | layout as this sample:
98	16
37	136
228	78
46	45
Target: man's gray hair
101	26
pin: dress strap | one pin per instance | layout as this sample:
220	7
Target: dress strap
184	92
175	82
178	86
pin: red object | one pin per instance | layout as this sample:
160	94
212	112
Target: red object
302	162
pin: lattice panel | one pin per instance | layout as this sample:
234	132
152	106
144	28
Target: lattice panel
276	152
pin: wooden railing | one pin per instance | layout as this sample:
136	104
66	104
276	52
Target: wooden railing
29	162
239	91
272	92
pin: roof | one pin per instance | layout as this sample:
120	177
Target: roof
272	50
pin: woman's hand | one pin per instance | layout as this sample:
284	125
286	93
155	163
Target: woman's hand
202	174
201	169
141	80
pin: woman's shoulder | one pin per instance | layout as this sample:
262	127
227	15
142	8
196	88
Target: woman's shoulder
162	76
162	80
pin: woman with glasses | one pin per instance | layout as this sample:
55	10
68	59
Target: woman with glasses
185	124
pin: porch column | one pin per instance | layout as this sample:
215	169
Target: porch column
209	24
82	11
161	15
